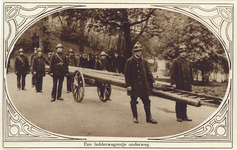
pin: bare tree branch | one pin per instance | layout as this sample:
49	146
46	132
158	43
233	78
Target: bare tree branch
148	16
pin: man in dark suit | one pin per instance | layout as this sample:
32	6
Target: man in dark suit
116	62
139	78
33	80
58	69
181	78
38	69
21	69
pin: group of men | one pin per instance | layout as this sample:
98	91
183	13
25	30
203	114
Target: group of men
137	73
139	80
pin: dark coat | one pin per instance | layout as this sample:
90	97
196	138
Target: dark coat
82	62
102	64
138	75
122	64
21	67
58	66
38	65
116	63
71	61
31	59
181	74
89	63
47	61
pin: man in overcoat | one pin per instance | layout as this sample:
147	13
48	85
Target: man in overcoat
22	68
102	64
33	80
139	80
38	69
181	78
71	61
116	62
58	69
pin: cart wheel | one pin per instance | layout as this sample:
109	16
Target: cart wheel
78	86
104	91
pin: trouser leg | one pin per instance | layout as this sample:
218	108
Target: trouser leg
41	83
38	84
181	110
33	80
18	81
23	81
146	101
69	81
100	85
55	80
133	104
60	86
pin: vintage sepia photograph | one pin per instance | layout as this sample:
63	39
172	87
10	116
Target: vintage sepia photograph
117	75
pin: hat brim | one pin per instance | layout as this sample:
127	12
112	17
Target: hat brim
180	51
59	47
139	49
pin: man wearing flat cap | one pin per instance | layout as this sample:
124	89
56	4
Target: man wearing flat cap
38	69
139	80
21	69
182	79
58	69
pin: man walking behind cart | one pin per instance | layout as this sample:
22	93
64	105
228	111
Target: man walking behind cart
58	69
139	78
182	79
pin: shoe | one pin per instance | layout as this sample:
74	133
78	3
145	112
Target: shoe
150	120
179	120
18	89
32	85
68	91
135	120
187	119
60	98
52	100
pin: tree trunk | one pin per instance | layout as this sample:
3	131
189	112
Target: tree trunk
41	35
81	39
119	44
128	44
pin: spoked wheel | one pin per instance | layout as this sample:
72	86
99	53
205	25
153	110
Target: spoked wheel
104	91
78	86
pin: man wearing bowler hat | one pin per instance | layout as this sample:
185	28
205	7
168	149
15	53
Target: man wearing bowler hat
139	80
58	69
181	78
21	69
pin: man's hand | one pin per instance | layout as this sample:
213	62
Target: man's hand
155	84
34	72
129	88
16	72
51	74
173	85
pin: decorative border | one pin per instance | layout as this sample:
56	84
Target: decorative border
217	129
